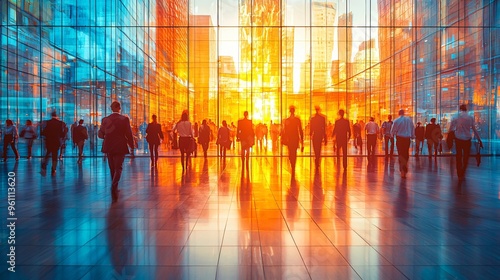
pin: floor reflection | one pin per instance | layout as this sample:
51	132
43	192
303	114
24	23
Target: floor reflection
214	221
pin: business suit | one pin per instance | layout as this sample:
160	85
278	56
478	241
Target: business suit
342	133
117	134
154	137
318	134
295	136
53	133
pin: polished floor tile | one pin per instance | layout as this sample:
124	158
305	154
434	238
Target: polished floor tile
210	222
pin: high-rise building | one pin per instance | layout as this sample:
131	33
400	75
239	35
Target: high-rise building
344	42
202	66
322	40
260	54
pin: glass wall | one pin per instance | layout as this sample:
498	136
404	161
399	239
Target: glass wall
219	58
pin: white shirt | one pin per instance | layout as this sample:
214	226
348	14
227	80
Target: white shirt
371	128
184	129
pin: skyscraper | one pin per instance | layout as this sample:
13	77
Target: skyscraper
322	36
345	44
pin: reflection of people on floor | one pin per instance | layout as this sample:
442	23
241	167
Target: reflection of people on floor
120	243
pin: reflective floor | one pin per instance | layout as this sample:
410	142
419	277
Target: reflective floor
212	223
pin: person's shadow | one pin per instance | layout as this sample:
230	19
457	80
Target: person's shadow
120	241
318	195
292	202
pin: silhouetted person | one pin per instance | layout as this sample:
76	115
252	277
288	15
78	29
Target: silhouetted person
29	133
53	132
63	140
372	130
117	134
462	125
223	139
419	138
10	137
204	137
80	134
246	136
433	136
318	134
295	136
185	131
388	137
154	136
404	130
358	140
342	133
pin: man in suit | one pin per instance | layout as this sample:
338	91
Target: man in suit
342	133
117	134
80	134
246	135
295	136
53	133
318	134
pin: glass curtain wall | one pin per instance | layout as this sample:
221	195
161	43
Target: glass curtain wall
219	58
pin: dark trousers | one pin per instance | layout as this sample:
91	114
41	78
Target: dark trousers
115	162
342	145
153	151
51	151
387	139
80	145
292	156
30	145
317	149
403	144
204	146
462	156
8	140
432	145
371	142
419	144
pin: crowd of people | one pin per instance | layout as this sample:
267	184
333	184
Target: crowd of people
119	138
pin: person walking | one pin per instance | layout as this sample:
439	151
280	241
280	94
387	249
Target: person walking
372	130
154	136
63	140
246	136
433	136
224	140
318	134
462	124
184	130
29	133
295	135
404	130
80	134
358	140
117	134
204	137
53	132
10	137
342	133
386	132
419	138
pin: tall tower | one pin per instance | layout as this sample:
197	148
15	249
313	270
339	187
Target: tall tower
322	36
260	54
202	64
345	44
